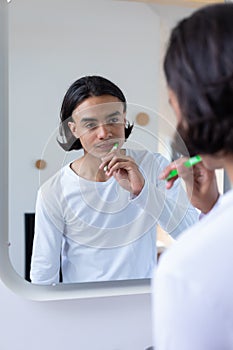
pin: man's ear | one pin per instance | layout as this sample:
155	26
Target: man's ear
72	127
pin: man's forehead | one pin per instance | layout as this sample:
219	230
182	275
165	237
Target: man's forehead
103	110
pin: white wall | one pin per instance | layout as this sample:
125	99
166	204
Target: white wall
52	43
119	323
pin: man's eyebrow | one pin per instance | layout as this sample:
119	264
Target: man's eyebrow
93	119
88	119
113	114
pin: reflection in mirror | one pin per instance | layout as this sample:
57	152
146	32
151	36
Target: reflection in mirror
96	218
51	44
41	69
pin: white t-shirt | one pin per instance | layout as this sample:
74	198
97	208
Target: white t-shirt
101	232
193	287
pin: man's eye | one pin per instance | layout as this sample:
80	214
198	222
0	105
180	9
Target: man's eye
90	125
113	120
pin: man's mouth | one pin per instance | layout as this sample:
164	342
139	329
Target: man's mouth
106	146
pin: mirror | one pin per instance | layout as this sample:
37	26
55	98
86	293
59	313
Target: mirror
51	44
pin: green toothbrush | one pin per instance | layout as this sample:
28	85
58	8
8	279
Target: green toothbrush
189	163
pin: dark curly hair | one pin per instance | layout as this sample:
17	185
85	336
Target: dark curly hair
199	69
80	90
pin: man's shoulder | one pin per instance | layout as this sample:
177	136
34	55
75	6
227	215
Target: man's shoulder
54	182
204	246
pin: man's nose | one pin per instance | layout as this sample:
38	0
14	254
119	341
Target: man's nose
103	131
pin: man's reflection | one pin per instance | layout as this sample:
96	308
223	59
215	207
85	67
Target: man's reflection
99	213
